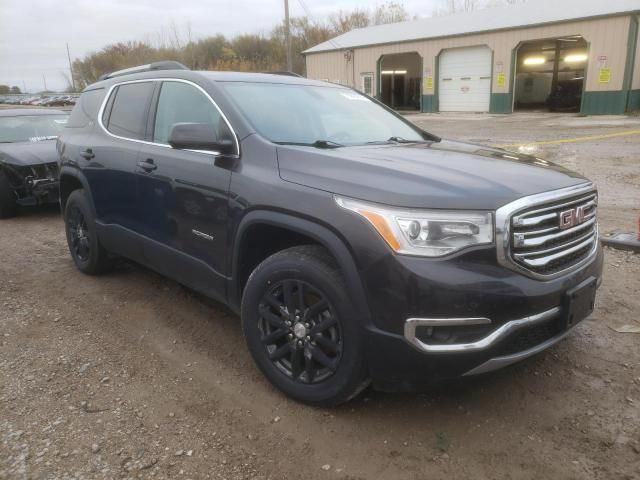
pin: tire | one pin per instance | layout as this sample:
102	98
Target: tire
82	238
317	358
8	205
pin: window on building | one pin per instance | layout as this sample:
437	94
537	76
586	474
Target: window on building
366	84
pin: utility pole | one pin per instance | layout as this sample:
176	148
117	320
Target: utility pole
44	80
287	34
73	82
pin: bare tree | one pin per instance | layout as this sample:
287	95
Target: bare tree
391	12
455	6
343	21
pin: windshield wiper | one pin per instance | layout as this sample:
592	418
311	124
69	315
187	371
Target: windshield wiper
326	144
395	140
316	144
403	140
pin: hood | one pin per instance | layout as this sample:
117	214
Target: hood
28	153
431	175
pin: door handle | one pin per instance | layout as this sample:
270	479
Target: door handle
147	165
87	154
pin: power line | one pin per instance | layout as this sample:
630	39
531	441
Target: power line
316	23
306	10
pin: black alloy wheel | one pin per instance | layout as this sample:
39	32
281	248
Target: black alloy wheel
80	244
300	331
82	237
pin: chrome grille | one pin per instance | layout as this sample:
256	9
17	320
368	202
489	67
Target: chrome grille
552	237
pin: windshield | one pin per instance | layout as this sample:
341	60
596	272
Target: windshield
31	128
317	115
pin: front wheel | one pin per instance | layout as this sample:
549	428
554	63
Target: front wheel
85	248
300	327
8	206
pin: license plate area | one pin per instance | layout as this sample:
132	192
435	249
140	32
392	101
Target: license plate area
579	303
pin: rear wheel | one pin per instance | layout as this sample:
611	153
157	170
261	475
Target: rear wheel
87	253
8	205
299	325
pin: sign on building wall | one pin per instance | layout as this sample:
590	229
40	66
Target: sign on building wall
501	80
604	75
428	79
428	83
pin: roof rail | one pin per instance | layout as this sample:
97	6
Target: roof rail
287	74
164	65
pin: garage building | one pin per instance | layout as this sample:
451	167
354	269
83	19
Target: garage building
581	55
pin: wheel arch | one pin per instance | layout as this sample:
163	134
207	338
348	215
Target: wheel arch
72	179
302	229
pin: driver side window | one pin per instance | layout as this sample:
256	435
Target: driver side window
183	103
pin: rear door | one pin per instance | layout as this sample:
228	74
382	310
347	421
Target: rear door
113	154
183	194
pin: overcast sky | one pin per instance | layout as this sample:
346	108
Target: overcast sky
33	33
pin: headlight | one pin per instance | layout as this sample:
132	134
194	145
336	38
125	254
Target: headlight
427	233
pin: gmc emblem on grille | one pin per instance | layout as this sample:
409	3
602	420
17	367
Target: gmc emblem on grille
573	217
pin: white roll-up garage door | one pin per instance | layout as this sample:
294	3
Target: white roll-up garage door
465	80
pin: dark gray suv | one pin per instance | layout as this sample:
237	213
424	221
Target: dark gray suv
356	247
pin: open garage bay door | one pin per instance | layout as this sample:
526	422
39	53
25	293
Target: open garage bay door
465	80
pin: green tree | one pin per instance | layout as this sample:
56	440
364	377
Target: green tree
16	90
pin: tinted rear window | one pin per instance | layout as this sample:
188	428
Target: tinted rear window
129	112
86	110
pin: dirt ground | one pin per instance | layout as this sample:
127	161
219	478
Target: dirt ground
130	375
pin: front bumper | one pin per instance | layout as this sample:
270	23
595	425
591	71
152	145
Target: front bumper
499	362
514	317
492	338
35	184
39	192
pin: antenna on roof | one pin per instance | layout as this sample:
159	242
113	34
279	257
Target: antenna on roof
164	65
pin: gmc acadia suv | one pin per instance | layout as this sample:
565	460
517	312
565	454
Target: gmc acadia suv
356	247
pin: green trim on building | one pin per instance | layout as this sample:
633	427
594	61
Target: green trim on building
631	54
633	104
613	102
501	103
429	103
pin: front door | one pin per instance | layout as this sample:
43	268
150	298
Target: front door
183	194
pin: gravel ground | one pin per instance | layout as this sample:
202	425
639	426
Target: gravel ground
130	375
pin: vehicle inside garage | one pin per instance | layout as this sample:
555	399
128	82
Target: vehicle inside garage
550	74
400	80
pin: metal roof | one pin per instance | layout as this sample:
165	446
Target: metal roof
534	12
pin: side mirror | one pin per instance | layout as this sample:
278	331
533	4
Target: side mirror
199	136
